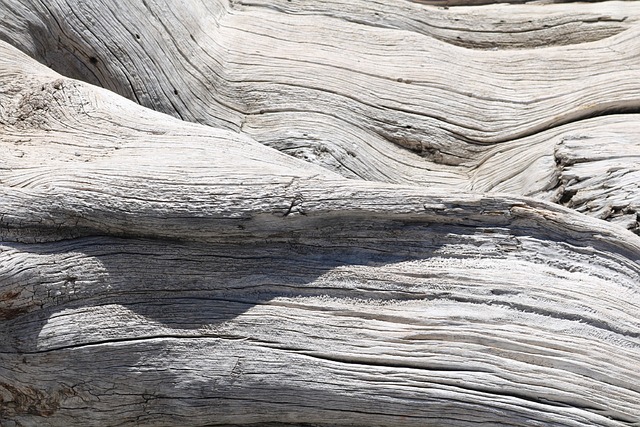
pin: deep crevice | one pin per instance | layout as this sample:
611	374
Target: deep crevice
385	364
201	336
570	118
566	197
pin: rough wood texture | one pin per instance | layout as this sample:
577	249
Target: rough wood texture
156	271
388	91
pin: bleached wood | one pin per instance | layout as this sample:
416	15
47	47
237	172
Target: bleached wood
159	272
392	91
206	279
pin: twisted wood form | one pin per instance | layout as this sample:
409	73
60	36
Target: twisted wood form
404	213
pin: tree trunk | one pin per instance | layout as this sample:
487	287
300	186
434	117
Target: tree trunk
360	213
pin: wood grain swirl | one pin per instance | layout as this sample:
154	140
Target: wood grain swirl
319	213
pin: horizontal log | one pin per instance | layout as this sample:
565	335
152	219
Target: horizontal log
160	272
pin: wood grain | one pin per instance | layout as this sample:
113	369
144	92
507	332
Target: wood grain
394	91
159	270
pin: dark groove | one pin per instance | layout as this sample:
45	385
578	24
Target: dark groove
595	323
603	111
486	390
132	339
548	402
386	364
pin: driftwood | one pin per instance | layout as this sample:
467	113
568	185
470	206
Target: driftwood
435	255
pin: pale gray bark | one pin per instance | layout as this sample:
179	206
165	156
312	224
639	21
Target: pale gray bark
159	271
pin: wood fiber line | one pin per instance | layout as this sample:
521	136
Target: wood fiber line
486	27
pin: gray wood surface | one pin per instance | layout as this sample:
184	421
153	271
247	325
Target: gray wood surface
319	213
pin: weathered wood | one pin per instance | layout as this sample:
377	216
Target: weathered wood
395	91
159	272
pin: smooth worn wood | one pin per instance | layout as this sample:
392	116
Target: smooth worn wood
354	217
